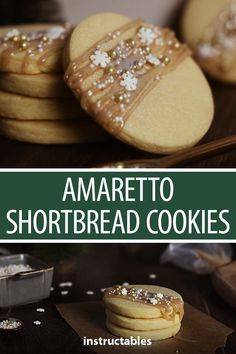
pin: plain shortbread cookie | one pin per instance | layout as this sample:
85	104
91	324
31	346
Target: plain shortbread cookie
41	85
155	335
74	131
31	108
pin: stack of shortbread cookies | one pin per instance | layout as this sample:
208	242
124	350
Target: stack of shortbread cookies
147	312
35	104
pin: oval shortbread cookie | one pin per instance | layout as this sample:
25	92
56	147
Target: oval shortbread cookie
23	107
155	335
138	82
140	324
158	303
32	49
41	85
209	28
76	131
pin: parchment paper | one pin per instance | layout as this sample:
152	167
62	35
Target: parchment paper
224	280
200	334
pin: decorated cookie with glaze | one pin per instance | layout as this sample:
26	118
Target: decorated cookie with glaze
138	82
143	311
209	27
32	49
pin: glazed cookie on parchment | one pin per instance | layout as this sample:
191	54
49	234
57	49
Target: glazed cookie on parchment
138	82
32	49
209	28
144	311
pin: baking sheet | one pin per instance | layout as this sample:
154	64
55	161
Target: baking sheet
200	334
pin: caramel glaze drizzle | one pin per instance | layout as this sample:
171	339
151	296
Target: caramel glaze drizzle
217	47
169	306
37	50
100	103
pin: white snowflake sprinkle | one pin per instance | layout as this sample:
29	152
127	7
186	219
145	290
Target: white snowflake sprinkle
55	32
119	121
124	292
147	35
64	292
40	310
67	284
207	51
37	323
160	296
89	292
100	58
151	59
129	81
12	33
125	284
103	290
153	301
152	276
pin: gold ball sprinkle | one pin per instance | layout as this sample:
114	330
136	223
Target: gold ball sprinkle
119	166
177	45
131	42
146	49
110	70
164	60
23	37
15	39
45	39
119	98
24	45
112	54
125	71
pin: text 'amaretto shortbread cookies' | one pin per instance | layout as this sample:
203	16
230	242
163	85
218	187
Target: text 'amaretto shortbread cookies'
138	82
209	27
148	312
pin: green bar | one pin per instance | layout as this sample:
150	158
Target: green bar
38	198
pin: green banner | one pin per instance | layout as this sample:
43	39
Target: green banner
120	205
